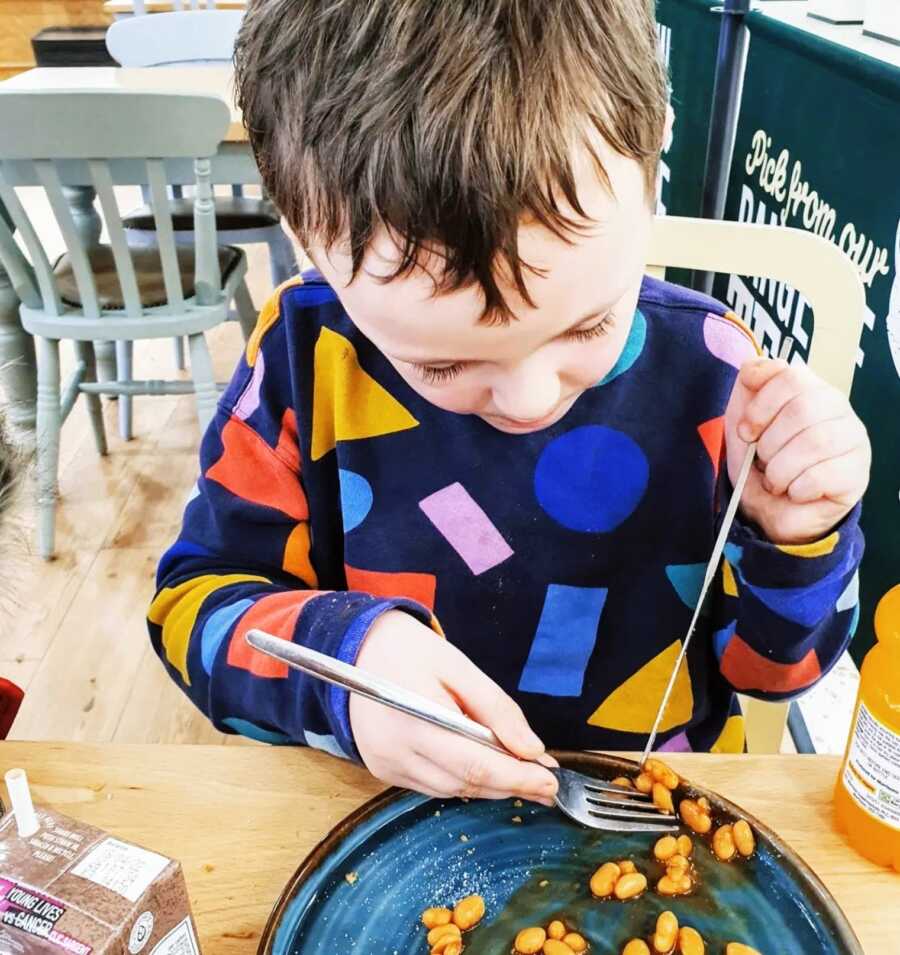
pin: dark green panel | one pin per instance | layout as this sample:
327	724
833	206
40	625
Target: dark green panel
837	115
689	36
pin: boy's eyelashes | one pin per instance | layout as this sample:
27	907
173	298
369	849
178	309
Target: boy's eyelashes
440	374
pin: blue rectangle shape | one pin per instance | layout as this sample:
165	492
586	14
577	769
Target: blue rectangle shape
564	640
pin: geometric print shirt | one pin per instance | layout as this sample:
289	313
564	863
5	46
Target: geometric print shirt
566	563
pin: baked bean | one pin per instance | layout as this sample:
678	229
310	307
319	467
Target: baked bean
690	942
603	881
662	798
677	863
445	944
468	912
694	816
556	929
454	948
675	885
703	803
576	942
440	931
644	783
685	846
666	933
735	948
665	848
637	946
626	865
661	773
431	918
624	782
723	844
553	946
743	838
530	940
630	886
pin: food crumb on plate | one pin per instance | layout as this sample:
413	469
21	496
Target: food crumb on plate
518	803
544	883
517	819
463	838
351	878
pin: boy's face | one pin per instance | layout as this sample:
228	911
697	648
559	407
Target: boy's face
525	375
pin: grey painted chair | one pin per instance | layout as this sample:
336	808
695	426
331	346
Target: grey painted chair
196	38
116	292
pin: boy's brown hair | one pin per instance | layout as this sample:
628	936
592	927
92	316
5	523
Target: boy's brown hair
446	121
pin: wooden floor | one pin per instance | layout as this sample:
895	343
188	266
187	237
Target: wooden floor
72	631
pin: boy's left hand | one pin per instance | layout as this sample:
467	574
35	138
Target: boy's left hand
813	454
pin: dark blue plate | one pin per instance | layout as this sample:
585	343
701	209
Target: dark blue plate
404	852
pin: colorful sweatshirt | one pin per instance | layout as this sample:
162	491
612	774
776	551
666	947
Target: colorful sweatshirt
565	563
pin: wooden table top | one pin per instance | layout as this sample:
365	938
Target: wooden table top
241	818
217	80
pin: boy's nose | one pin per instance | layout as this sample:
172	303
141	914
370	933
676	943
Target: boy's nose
527	393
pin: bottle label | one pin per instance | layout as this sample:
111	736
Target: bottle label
872	770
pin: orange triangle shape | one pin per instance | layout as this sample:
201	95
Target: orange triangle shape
712	434
252	470
348	403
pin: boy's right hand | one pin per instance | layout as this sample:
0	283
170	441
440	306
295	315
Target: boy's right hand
404	751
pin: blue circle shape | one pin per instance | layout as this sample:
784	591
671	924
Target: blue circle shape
591	478
356	498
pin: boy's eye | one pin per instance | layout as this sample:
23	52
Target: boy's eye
595	331
439	374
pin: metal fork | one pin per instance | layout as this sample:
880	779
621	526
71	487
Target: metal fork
589	801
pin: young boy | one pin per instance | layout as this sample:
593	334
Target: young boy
480	412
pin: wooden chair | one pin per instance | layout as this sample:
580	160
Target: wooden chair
830	283
116	292
197	38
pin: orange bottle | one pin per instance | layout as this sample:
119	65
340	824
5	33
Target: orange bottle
867	795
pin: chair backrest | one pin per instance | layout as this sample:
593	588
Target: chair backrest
823	274
94	129
191	37
830	283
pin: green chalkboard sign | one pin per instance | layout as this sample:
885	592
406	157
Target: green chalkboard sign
688	32
818	147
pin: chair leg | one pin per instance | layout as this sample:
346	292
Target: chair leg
207	392
178	343
282	260
124	363
106	361
48	426
246	310
85	353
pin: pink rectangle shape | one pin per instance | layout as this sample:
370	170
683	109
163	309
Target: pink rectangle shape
466	527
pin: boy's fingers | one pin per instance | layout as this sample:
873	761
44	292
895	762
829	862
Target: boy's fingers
486	703
758	371
776	394
477	768
806	411
813	445
841	479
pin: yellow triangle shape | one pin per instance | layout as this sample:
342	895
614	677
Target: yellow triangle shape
631	707
729	584
347	402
